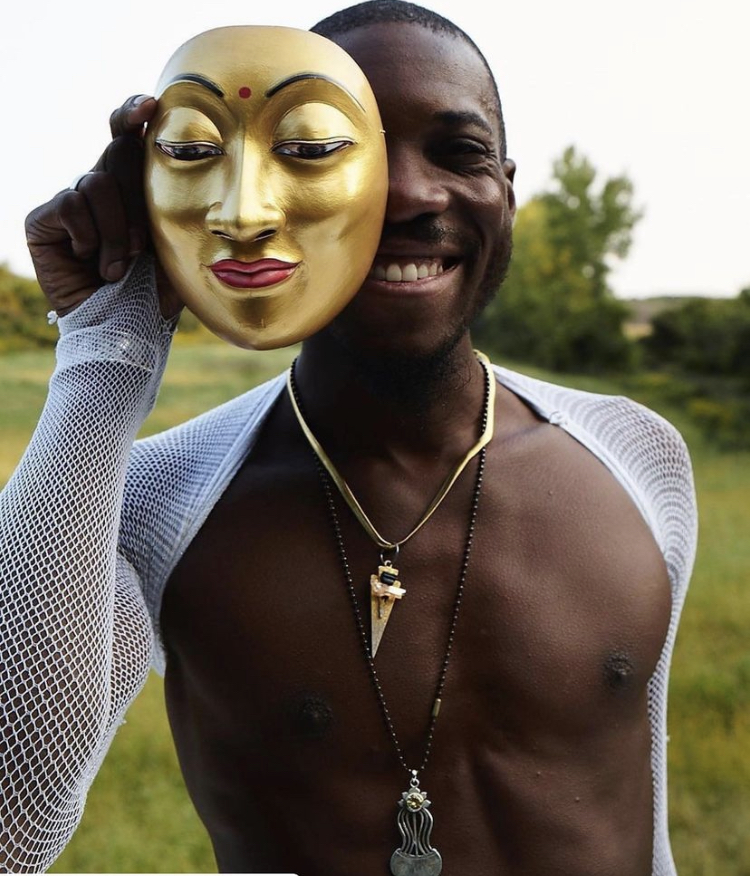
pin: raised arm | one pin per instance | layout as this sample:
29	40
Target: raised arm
75	637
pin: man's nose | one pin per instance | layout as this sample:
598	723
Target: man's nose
415	185
248	209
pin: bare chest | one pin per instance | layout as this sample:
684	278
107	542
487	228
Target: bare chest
542	667
561	619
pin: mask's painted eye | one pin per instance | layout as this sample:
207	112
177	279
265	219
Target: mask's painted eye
311	149
193	151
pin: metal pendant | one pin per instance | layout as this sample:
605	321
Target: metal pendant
385	589
416	857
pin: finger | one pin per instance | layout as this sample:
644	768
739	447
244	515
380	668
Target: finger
123	158
104	200
130	118
66	219
62	237
76	219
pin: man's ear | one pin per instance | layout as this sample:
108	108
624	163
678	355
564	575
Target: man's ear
509	169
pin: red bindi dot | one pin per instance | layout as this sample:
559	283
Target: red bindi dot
245	92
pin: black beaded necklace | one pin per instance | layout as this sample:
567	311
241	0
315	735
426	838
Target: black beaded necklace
416	856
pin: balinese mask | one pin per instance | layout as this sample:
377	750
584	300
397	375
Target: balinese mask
266	181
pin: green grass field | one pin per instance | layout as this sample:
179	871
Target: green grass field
139	818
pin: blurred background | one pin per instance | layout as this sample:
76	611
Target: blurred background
631	274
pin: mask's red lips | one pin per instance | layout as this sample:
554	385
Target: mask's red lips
253	275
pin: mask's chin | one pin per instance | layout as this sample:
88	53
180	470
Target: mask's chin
251	337
271	331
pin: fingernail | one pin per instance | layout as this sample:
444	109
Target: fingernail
115	271
141	98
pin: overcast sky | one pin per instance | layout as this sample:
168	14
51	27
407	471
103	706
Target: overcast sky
657	89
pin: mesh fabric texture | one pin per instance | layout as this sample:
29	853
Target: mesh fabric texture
93	522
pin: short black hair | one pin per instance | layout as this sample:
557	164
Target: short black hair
390	11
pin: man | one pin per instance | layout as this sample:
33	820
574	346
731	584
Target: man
517	696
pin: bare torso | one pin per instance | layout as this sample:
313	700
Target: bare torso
541	753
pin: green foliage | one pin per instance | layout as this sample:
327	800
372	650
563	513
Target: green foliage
724	421
23	313
707	342
555	308
706	336
586	226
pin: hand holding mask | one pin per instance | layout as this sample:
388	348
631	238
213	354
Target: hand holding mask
266	181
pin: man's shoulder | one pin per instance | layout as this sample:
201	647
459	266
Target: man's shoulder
607	421
643	450
211	433
171	475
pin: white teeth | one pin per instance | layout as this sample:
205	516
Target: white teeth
408	273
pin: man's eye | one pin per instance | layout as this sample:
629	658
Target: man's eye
310	149
469	148
464	154
188	151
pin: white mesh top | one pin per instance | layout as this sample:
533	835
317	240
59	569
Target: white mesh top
93	522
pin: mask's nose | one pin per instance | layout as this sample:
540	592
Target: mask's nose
248	210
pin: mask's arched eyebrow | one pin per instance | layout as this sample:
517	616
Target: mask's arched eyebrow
275	89
200	80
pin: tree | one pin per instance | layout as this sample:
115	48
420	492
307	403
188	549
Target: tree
704	336
555	308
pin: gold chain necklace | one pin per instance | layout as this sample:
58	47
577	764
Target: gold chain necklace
385	588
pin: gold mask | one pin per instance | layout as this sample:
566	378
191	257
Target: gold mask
266	181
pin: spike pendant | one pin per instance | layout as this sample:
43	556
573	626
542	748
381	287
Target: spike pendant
385	589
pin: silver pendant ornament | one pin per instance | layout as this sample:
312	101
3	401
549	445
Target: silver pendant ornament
416	857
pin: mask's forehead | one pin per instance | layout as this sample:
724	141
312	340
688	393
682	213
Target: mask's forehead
261	57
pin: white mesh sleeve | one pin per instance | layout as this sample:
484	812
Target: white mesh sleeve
75	638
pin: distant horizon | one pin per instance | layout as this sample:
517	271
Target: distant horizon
650	295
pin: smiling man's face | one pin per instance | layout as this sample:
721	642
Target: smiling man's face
448	224
266	181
